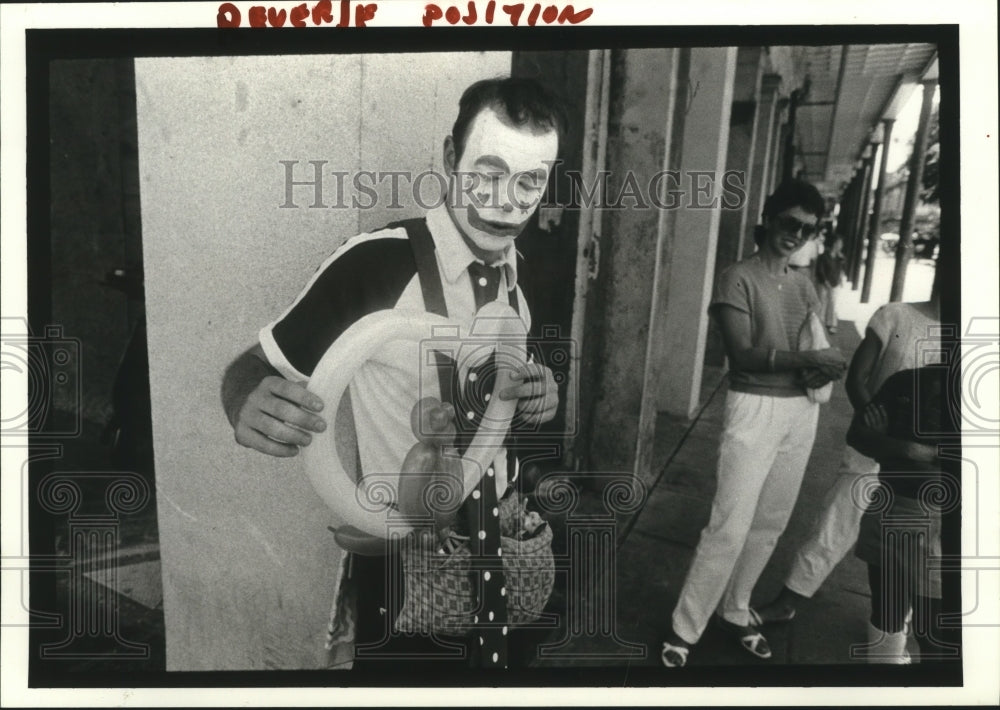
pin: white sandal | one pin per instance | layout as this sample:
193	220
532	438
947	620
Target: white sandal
680	651
750	638
756	644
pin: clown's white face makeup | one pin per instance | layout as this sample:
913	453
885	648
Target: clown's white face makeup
497	184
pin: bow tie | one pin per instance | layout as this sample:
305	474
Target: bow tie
485	282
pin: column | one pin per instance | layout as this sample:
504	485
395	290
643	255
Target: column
740	155
764	149
875	229
631	263
778	143
682	333
905	247
845	220
849	220
788	150
863	198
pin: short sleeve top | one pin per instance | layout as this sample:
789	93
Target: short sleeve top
368	273
777	307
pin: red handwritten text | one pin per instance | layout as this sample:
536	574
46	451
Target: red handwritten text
536	13
321	13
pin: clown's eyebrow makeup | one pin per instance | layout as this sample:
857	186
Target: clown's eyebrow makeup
499	164
492	161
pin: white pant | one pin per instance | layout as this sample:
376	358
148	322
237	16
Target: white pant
836	529
766	442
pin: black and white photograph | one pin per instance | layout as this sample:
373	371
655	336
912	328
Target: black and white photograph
402	352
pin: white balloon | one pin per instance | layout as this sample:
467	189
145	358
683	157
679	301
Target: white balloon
497	328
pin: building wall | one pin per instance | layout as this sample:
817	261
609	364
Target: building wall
547	273
248	563
92	135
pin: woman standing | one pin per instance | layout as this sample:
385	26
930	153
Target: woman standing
769	424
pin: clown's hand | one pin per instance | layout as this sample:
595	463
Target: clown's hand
536	393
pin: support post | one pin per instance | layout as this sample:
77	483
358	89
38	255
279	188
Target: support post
866	189
740	160
788	158
632	268
875	229
774	174
844	220
764	150
681	341
905	247
847	220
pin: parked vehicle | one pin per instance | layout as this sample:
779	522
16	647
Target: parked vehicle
924	247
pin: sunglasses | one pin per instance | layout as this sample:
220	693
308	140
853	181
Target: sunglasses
791	225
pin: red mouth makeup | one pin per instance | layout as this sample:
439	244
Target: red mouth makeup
496	229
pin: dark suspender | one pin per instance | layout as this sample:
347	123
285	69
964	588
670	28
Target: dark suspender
422	244
430	285
429	275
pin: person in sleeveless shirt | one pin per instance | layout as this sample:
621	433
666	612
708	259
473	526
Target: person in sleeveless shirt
898	335
904	426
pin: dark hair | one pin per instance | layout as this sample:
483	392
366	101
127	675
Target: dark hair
794	193
521	101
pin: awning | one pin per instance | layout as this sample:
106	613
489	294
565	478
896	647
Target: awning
850	89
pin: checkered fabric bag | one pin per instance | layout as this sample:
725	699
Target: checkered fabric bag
438	595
